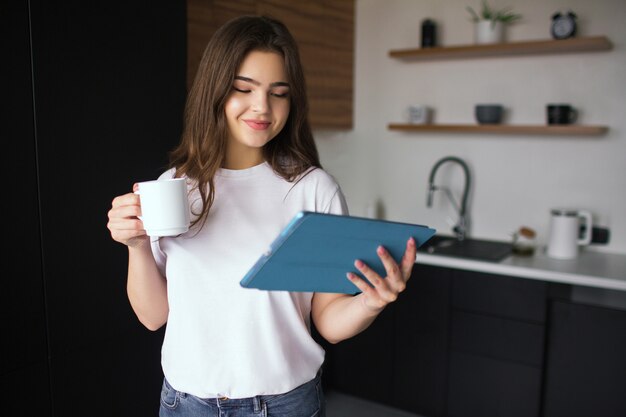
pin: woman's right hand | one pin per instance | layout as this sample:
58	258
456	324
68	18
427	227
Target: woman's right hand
124	223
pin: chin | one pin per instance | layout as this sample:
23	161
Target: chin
257	140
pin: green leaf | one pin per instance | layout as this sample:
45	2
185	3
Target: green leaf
504	15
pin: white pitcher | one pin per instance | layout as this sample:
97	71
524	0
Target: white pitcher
565	226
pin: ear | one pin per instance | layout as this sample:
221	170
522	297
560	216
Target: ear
572	15
556	15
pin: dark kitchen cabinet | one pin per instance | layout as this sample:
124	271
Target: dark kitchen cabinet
477	344
421	335
363	365
586	361
484	386
465	344
401	359
496	349
94	101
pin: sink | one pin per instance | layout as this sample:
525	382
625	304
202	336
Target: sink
477	249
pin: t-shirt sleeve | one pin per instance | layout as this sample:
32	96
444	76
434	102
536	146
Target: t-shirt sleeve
159	255
337	204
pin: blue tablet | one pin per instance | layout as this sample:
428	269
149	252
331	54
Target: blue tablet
314	252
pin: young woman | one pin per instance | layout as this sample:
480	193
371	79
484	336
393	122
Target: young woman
251	164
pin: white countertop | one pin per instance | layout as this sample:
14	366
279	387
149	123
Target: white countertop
593	269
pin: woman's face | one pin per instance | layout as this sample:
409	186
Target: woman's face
256	109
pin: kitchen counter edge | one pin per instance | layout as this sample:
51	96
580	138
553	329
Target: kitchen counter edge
592	269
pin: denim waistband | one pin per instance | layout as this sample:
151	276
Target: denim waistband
256	401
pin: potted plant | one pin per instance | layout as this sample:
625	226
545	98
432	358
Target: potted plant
490	22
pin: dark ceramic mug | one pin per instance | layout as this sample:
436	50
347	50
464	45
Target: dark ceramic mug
560	114
489	113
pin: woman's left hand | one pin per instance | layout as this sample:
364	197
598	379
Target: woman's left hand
384	290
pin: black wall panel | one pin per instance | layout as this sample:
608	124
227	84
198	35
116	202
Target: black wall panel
22	299
95	98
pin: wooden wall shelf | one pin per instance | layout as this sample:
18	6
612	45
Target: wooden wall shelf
588	44
566	130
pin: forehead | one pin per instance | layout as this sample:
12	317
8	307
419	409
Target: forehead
263	66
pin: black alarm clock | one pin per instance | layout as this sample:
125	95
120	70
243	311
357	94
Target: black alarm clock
563	25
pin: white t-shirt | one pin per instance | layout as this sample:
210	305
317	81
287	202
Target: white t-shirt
222	339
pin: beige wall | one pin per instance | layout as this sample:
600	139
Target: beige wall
516	179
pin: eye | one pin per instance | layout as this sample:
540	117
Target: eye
279	92
280	95
241	90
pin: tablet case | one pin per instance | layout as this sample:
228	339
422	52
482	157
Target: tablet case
314	252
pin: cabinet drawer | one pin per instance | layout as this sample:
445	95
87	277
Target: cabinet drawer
344	365
498	338
585	363
503	296
484	387
421	342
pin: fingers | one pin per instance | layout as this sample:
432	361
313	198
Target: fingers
395	277
360	283
382	286
370	297
128	199
383	291
408	260
124	224
123	215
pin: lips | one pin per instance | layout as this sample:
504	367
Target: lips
257	124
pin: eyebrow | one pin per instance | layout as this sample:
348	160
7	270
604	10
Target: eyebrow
255	82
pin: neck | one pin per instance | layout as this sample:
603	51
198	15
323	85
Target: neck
243	158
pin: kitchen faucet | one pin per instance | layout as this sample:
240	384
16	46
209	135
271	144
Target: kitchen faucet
460	229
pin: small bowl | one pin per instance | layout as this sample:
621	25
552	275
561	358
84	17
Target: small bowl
489	113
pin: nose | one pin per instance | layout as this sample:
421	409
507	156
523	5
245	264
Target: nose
260	103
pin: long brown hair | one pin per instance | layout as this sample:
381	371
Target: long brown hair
202	149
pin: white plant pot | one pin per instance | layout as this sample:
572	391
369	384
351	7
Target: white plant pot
486	32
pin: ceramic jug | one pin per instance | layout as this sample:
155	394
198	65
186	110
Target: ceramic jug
565	237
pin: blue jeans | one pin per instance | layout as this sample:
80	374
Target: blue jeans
307	400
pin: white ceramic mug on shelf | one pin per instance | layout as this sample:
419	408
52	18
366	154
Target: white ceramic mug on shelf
164	206
420	114
565	237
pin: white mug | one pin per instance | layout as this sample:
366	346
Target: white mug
565	236
420	114
164	206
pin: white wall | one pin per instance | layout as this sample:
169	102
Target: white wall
516	178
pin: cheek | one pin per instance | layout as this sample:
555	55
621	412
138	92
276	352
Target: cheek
282	110
234	107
